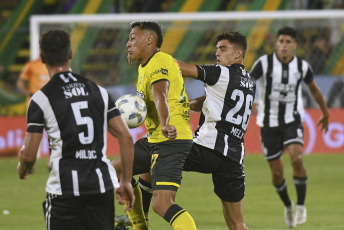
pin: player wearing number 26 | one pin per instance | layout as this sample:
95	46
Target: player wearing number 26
76	114
219	143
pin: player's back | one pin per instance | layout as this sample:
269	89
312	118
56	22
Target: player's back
75	114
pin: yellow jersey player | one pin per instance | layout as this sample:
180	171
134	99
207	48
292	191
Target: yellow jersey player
169	137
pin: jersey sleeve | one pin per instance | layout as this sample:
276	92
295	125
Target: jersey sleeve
35	118
209	74
309	77
257	70
112	111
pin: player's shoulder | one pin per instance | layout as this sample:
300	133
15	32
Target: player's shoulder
162	58
302	60
36	63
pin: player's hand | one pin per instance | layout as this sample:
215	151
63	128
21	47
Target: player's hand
169	131
23	173
255	108
130	59
324	123
125	195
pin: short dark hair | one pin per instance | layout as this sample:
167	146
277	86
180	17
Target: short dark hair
235	38
55	47
287	31
150	25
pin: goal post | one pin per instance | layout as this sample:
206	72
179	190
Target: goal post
99	41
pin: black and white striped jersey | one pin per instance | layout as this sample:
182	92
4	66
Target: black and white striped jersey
74	112
279	89
226	111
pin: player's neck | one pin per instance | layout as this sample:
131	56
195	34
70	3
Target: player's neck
285	59
58	69
148	54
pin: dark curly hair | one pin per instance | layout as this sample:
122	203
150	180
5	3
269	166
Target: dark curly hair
55	47
287	31
150	25
235	38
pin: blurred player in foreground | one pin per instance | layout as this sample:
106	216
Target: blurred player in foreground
280	116
218	147
169	136
76	113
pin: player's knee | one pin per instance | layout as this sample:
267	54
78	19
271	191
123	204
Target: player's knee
277	174
297	162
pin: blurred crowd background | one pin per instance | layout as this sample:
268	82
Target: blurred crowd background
101	53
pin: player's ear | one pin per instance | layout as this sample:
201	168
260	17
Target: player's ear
70	54
239	53
150	38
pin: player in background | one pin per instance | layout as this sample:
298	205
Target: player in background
32	78
169	137
218	147
76	114
280	116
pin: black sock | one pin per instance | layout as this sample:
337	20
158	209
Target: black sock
301	185
282	192
146	190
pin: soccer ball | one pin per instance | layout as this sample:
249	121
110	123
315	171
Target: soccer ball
133	109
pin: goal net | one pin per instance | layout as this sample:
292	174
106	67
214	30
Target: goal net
99	41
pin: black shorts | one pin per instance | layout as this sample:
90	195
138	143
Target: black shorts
228	176
86	212
164	160
275	139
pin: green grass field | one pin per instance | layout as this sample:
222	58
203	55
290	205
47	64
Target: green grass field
262	208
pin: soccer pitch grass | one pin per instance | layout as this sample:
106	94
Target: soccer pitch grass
262	208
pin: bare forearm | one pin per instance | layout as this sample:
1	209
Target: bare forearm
320	100
127	157
118	129
188	70
197	104
26	162
163	112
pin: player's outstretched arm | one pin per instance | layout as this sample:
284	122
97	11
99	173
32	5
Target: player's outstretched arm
28	154
321	102
119	129
188	70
